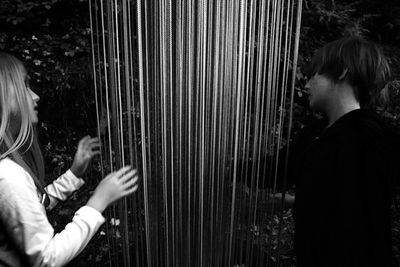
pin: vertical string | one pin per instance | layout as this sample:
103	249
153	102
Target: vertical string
243	11
260	100
144	61
106	82
188	85
202	44
172	117
98	90
241	86
132	131
221	137
179	131
214	73
143	134
164	129
119	106
154	115
247	122
225	114
289	11
196	138
292	85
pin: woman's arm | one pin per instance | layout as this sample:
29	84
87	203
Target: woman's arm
62	188
69	182
26	222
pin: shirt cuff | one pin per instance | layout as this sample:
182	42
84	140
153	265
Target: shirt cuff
93	216
78	182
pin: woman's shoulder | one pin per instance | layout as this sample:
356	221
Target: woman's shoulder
12	172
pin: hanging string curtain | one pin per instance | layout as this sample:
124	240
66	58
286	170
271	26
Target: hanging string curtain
197	95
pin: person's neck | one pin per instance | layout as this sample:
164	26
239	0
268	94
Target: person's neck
341	108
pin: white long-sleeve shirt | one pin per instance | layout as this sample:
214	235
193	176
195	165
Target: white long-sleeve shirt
24	217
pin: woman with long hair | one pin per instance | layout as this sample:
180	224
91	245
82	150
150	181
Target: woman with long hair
26	236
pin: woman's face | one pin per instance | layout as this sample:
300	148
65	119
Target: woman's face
32	100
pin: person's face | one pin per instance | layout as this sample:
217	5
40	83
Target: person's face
32	99
320	89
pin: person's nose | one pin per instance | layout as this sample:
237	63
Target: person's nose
34	96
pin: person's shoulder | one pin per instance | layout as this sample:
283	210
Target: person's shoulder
9	164
371	132
370	125
11	172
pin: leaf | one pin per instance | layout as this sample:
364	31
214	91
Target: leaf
70	53
99	258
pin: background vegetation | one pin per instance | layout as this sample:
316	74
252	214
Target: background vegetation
53	38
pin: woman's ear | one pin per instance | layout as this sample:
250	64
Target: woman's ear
343	75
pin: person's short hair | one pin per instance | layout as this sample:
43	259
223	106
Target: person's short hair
366	68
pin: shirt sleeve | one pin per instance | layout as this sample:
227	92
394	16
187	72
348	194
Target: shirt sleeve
26	222
62	188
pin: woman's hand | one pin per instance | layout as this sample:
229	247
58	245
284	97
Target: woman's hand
87	148
113	187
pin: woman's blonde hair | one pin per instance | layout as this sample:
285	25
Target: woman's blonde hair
15	124
18	139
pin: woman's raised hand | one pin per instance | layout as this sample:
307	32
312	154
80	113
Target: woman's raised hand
113	187
87	148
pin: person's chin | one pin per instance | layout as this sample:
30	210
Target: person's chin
314	107
35	120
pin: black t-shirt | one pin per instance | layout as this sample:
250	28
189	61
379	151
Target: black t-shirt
343	177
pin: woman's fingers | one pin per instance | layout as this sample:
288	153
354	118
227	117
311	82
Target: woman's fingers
131	182
119	173
89	145
91	142
132	190
93	148
88	141
86	137
84	140
94	142
124	178
94	145
118	184
95	153
122	171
